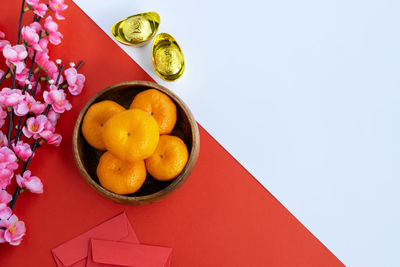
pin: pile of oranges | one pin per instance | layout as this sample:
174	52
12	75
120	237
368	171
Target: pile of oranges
137	140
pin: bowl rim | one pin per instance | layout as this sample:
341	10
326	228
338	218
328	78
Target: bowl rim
175	184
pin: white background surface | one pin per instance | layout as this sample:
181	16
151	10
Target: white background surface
305	94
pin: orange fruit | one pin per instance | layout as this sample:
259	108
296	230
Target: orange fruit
94	120
158	105
169	159
131	135
119	176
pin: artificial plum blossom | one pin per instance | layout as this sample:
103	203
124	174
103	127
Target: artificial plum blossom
36	26
3	116
55	140
39	9
75	81
52	29
39	127
14	230
51	68
3	139
3	43
42	59
5	211
53	117
22	76
11	97
8	164
58	6
31	37
29	104
43	42
15	55
57	99
22	150
32	183
21	109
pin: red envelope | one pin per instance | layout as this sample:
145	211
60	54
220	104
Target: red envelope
105	253
74	253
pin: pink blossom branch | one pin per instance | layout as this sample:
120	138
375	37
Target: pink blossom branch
11	112
36	142
19	130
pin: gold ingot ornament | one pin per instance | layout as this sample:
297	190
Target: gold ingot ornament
136	30
168	60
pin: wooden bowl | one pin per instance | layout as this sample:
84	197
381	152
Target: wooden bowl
87	157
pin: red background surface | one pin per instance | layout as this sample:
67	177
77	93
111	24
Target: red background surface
221	217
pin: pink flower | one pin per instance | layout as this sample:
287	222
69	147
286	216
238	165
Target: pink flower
8	163
75	81
55	139
52	117
31	37
22	76
2	34
22	150
39	9
58	6
15	55
3	116
42	58
29	105
52	28
3	43
32	183
36	26
43	42
38	127
57	99
14	232
51	68
22	108
5	211
11	97
3	139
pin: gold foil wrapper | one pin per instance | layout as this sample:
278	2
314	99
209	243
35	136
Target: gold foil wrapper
136	30
168	60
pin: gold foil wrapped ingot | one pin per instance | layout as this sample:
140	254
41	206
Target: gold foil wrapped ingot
167	56
136	30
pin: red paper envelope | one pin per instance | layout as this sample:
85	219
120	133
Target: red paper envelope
105	253
74	253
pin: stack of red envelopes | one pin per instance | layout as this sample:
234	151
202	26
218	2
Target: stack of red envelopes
112	243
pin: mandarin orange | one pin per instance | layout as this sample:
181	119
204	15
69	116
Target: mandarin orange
160	106
169	159
120	177
131	135
94	120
